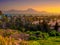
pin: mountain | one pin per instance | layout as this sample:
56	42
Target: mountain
28	11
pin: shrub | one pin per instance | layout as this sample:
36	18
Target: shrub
53	33
58	34
6	34
32	38
22	29
39	34
28	32
45	35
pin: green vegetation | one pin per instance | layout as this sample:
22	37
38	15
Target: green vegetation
42	38
29	30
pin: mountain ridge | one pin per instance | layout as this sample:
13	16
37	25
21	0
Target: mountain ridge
27	11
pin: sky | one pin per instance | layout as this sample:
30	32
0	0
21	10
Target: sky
52	6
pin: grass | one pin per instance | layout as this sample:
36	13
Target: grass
7	40
49	41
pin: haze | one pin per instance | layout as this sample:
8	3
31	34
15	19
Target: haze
52	6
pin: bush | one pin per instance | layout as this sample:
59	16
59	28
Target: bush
58	34
45	35
28	32
6	34
53	33
22	29
33	38
38	32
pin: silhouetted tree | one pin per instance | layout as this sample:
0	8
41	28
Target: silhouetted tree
0	12
56	26
45	26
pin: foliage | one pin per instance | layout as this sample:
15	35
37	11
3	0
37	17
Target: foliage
58	34
33	38
53	33
45	35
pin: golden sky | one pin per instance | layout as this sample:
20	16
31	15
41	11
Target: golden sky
52	6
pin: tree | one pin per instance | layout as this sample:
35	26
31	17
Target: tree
0	12
56	26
